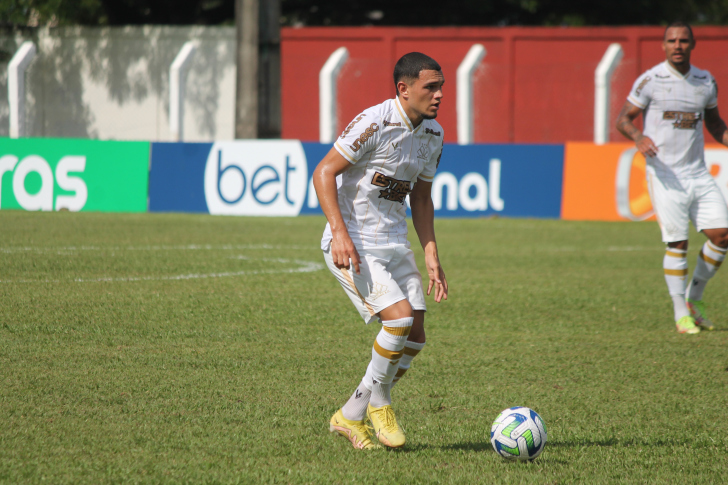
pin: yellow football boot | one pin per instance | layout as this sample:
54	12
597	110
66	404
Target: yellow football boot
385	426
358	432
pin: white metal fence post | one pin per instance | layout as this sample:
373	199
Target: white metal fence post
177	75
16	87
464	101
602	87
327	94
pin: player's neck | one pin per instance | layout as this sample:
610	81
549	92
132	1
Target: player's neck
415	118
683	68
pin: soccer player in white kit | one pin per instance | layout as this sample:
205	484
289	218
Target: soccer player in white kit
388	152
675	99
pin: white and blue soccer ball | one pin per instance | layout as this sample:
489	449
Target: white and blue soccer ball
518	433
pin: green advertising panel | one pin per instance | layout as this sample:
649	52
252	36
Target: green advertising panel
76	175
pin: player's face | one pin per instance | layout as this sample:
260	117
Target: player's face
425	94
677	46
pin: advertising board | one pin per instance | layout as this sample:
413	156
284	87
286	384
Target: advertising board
607	182
273	178
77	175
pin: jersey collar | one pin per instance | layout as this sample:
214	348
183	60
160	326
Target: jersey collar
402	114
677	73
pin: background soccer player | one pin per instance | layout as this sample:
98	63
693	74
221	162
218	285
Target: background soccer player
387	152
675	99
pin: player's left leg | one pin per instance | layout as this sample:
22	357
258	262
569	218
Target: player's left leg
386	354
710	216
710	258
415	343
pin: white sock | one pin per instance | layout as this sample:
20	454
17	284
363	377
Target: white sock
675	264
386	354
355	408
411	349
709	260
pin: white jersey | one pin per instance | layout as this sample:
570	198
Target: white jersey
674	107
388	156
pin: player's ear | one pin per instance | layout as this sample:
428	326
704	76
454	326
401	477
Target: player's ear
402	89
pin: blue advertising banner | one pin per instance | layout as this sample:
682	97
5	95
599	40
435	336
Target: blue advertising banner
483	180
273	177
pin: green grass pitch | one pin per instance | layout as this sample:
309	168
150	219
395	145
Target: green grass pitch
162	348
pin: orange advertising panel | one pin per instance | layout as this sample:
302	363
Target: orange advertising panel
607	182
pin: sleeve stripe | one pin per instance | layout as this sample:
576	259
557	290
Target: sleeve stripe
344	153
634	101
425	178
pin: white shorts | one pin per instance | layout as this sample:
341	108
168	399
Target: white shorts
678	201
388	274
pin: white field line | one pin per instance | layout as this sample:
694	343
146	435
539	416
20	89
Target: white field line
190	247
299	266
572	249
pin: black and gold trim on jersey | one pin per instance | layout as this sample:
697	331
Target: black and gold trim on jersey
394	190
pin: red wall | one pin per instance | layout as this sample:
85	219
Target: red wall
534	85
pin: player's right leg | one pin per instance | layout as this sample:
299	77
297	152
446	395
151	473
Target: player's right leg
671	200
675	266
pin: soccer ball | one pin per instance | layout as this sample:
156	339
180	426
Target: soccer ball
518	433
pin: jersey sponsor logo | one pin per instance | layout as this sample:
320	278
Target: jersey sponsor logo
423	153
395	145
391	123
658	76
700	77
683	120
432	132
642	85
351	125
368	133
394	190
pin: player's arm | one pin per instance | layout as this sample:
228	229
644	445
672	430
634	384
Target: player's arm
716	126
625	125
324	181
423	218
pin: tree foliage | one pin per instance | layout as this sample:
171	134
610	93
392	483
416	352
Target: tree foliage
373	12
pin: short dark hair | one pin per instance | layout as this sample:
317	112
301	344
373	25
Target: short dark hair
408	67
679	23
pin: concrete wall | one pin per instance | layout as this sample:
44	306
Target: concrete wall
113	83
535	85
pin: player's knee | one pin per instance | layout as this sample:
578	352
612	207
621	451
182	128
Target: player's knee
417	334
401	309
678	245
720	238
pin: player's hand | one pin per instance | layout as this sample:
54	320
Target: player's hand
646	146
344	253
437	279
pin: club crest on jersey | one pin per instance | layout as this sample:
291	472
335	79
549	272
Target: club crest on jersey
351	125
432	132
368	133
378	290
423	153
683	120
394	190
